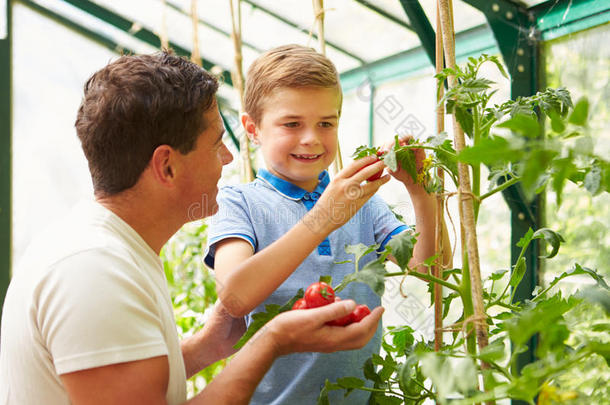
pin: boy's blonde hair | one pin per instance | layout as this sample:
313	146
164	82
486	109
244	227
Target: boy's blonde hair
287	66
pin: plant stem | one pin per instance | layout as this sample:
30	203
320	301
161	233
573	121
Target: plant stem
501	187
465	294
476	168
427	277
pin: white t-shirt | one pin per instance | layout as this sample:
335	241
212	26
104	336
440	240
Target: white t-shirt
89	293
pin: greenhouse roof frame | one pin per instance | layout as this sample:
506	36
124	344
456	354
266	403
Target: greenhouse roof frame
514	28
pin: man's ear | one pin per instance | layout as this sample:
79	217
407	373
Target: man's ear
162	165
250	126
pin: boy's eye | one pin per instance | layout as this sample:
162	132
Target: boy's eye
291	124
326	124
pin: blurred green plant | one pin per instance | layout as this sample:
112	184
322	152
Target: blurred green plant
192	288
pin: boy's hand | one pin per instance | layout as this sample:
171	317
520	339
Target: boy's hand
347	193
306	331
401	174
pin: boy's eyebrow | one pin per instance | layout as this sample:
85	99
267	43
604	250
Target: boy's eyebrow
294	116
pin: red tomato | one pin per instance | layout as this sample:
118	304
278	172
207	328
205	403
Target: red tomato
319	294
359	313
377	175
345	320
300	304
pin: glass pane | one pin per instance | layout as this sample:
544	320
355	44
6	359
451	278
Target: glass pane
580	62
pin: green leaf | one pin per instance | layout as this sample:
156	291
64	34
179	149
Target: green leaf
388	400
260	319
389	159
522	124
551	237
489	151
326	279
598	296
497	275
581	112
536	164
465	120
372	274
363	151
593	180
518	272
370	373
359	251
526	239
350	382
601	348
401	247
494	352
557	123
406	159
447	156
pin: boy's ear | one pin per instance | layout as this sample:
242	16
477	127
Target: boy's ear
250	126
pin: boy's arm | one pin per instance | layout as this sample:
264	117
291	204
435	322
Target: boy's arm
245	280
424	206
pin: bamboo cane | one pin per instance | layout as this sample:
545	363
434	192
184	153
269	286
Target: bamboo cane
163	34
318	9
195	56
237	76
438	229
465	195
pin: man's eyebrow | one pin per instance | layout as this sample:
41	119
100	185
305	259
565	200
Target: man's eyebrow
222	132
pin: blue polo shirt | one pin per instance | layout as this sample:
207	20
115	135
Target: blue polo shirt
260	213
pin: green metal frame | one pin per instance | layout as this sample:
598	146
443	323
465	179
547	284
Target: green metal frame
142	33
5	155
568	17
422	27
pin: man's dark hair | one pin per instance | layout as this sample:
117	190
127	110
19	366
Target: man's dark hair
135	104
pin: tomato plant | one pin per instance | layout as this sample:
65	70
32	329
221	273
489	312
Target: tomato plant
535	143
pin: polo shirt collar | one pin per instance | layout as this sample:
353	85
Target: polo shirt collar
289	190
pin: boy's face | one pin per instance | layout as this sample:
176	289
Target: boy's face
298	133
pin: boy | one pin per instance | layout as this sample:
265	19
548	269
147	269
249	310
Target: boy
292	108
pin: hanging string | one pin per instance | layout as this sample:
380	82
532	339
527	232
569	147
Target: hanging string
237	76
318	10
195	55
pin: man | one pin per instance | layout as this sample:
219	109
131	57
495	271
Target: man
88	318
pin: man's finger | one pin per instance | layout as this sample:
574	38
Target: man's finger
333	311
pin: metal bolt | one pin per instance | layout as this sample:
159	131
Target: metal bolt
520	52
521	216
509	15
495	7
521	68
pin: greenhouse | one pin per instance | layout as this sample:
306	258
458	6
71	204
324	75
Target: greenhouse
486	240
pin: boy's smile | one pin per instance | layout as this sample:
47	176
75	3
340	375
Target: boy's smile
298	133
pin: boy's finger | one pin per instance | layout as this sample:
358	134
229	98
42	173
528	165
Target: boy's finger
371	187
368	171
355	166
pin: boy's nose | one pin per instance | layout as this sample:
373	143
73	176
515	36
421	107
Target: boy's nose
310	136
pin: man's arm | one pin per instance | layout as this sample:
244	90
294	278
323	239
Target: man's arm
145	382
245	280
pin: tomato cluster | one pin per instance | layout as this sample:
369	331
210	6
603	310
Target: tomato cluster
320	294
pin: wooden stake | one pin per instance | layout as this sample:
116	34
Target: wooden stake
438	228
163	34
195	56
318	9
237	76
465	195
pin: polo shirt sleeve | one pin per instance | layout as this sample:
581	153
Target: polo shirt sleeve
385	223
233	220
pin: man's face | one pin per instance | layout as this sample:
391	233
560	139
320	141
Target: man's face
202	168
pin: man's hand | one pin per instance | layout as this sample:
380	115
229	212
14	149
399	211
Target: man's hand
306	330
